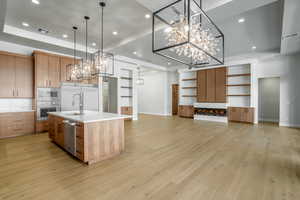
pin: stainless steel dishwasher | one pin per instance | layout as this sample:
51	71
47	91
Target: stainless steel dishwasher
70	136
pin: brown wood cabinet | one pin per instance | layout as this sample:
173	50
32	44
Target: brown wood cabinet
95	141
16	76
127	110
42	126
16	124
47	70
211	85
221	81
186	111
241	114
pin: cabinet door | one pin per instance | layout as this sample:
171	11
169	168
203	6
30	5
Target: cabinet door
41	70
211	85
247	115
221	84
51	132
59	132
7	76
234	114
54	71
64	62
201	86
24	77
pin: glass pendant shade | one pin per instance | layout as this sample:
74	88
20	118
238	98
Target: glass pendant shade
73	70
183	32
103	65
86	64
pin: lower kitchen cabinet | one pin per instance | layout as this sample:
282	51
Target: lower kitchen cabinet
186	111
56	130
126	110
241	114
16	124
42	126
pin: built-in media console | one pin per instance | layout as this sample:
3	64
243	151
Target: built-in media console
211	112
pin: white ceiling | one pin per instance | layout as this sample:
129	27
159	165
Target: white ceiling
262	27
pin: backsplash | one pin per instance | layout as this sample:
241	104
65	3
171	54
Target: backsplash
15	104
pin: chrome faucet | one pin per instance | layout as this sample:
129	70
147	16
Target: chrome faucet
81	101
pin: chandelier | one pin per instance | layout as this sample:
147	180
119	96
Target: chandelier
86	64
183	32
103	65
73	70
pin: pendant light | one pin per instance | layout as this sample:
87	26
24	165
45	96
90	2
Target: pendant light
103	61
73	70
183	32
86	64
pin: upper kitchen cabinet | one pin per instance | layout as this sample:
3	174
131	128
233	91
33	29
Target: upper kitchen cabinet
16	76
7	76
47	70
64	62
24	77
211	85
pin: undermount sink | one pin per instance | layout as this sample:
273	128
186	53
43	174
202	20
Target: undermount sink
75	113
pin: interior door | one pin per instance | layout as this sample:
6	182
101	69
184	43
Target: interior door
175	98
221	84
41	67
24	77
7	76
201	86
54	71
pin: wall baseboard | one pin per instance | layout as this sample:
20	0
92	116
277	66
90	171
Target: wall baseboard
289	125
158	114
268	120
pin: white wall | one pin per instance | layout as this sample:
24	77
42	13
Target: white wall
155	96
288	69
268	99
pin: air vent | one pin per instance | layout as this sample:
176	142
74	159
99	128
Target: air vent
290	36
43	31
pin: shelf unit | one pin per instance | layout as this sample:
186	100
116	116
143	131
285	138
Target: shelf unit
189	96
126	91
239	85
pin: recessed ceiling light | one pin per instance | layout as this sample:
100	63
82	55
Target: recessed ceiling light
94	44
254	48
65	36
115	33
35	2
134	52
147	16
25	24
169	63
241	20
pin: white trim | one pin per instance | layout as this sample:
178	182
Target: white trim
286	124
158	114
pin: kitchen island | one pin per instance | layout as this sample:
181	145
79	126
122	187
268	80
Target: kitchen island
91	137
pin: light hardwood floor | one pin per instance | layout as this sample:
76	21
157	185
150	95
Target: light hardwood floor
167	158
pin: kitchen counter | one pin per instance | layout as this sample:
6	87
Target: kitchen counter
88	116
91	137
15	111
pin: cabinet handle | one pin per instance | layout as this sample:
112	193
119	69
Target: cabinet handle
17	92
49	82
13	92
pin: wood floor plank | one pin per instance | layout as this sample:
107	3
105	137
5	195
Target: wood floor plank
164	158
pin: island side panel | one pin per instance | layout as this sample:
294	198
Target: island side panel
105	139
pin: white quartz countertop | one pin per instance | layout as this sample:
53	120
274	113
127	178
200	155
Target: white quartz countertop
15	111
89	116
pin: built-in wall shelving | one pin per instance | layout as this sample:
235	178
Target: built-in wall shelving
189	79
188	88
239	85
126	88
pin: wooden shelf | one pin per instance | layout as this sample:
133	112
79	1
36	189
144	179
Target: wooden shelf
189	79
126	87
126	78
126	96
189	95
189	88
235	75
236	85
239	95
